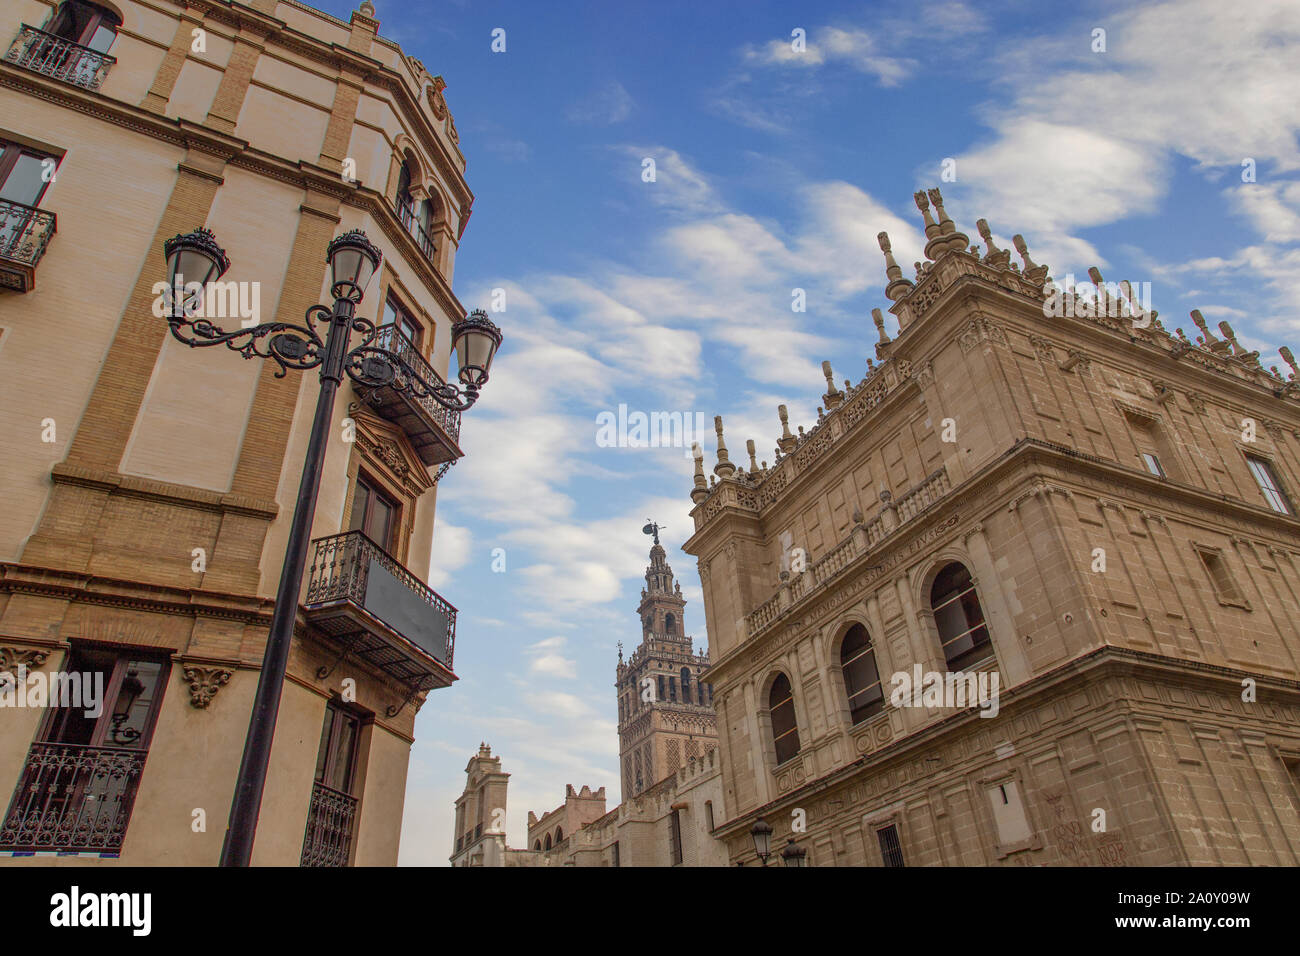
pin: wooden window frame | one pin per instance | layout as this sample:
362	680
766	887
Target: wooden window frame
876	704
1278	490
958	663
794	722
395	545
100	16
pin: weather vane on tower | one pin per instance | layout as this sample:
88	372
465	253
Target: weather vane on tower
652	528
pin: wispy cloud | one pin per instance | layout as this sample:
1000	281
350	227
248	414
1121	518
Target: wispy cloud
606	106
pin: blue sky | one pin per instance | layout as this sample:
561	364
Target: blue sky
775	171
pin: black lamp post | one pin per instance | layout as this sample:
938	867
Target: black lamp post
761	831
352	258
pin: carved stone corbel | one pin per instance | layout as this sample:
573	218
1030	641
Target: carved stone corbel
12	658
205	682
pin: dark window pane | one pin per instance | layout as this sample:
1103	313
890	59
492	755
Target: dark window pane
785	731
26	181
891	851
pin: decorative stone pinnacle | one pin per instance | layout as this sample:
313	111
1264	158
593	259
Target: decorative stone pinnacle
701	489
1033	273
785	444
879	319
1290	360
932	228
949	239
998	258
724	468
833	395
753	464
898	286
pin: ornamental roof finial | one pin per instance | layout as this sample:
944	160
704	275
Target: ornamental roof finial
724	468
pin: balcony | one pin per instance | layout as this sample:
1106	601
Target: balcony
60	59
358	594
25	231
411	223
434	431
330	822
73	797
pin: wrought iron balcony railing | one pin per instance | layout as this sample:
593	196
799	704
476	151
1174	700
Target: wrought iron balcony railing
330	822
411	222
434	431
73	797
61	59
25	231
360	594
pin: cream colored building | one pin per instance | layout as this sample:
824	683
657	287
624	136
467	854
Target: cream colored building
1053	490
149	487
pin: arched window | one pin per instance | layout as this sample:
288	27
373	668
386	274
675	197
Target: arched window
85	24
686	685
537	845
547	845
861	677
960	619
559	835
669	623
415	214
785	730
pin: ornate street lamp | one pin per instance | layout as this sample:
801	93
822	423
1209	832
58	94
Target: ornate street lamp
794	854
761	831
353	259
132	688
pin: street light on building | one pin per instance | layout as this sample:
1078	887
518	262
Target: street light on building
794	854
761	831
193	261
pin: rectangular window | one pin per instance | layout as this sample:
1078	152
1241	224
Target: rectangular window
336	760
1266	478
675	823
891	850
708	813
1153	464
1225	587
25	173
332	813
79	783
374	514
398	315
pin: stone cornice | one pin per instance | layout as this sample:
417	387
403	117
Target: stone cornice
1125	346
152	490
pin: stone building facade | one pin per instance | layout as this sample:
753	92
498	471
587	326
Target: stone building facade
669	824
665	712
149	487
666	723
1046	489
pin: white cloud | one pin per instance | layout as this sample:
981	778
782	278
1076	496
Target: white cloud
451	550
609	105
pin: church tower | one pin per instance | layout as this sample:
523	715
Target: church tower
665	714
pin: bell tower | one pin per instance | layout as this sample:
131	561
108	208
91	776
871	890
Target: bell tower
665	713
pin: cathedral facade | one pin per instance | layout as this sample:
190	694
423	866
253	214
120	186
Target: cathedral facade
1026	594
